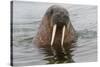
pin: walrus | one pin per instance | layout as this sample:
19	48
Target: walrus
55	30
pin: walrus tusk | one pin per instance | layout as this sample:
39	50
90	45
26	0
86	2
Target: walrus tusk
53	34
63	33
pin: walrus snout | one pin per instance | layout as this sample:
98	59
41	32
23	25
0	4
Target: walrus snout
60	19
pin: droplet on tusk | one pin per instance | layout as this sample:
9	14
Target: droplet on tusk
53	34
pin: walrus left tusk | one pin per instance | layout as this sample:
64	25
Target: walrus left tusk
63	33
53	34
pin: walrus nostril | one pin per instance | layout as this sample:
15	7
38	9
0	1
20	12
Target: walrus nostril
60	19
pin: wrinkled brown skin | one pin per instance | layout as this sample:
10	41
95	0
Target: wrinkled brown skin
43	37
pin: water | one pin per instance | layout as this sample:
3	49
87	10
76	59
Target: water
26	19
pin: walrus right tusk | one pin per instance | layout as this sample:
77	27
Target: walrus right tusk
62	39
53	34
63	33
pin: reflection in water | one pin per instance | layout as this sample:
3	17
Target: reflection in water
55	57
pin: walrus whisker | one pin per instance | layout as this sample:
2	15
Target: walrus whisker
53	34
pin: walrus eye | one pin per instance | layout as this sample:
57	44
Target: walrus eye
66	18
49	12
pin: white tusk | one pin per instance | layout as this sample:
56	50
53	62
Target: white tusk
53	34
63	33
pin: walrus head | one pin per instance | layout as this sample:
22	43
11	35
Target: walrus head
59	18
56	29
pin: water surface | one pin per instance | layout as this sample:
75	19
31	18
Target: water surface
26	19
